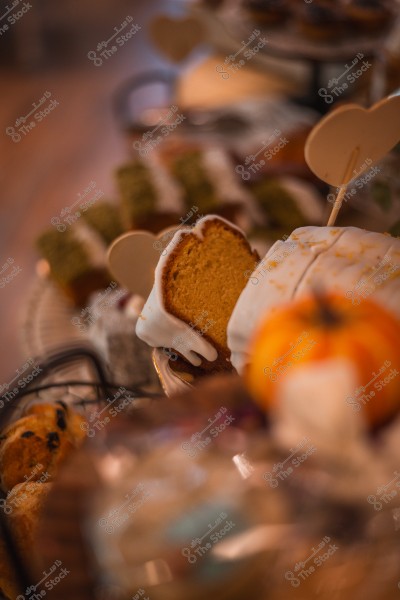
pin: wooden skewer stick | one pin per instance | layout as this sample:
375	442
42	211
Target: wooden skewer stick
339	199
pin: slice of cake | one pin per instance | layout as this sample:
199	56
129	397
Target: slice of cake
75	250
205	176
77	261
286	204
197	284
105	219
149	197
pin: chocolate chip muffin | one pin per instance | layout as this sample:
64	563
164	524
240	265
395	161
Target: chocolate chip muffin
32	448
65	419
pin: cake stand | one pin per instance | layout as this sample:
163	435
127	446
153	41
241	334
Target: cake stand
289	44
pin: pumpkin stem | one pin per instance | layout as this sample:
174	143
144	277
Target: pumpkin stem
328	316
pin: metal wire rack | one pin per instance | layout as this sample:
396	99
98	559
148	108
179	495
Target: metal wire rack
51	384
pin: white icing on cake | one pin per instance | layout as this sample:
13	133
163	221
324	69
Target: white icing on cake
331	259
159	328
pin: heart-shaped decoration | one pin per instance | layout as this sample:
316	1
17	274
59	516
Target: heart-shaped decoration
133	257
351	139
176	38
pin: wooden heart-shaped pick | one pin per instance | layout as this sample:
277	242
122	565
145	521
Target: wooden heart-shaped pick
351	139
176	38
133	257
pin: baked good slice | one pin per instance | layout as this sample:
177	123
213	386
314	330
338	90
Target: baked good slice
105	219
76	258
286	204
149	198
197	284
75	248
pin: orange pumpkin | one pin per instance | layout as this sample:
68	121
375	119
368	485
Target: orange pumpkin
319	328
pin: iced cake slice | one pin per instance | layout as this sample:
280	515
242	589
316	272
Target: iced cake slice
197	284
